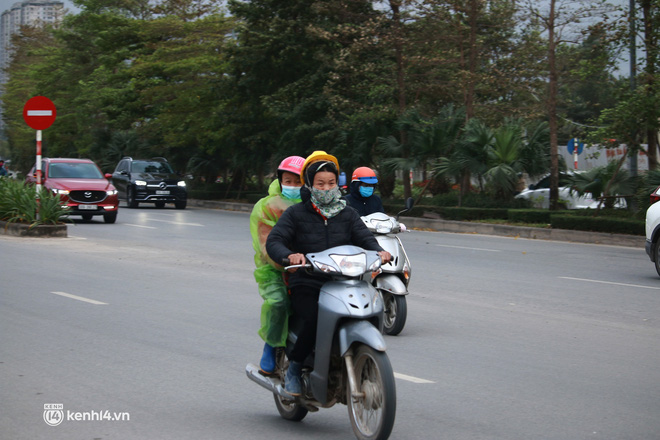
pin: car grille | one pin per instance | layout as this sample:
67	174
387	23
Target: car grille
87	196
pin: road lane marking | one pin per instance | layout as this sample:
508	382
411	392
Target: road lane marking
468	248
411	378
80	298
610	282
140	226
175	223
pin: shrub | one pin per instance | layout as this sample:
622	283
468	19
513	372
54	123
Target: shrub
18	203
529	215
597	224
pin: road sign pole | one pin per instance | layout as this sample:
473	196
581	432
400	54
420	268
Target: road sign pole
38	173
39	113
38	161
575	154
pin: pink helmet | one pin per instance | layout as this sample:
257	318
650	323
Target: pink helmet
292	164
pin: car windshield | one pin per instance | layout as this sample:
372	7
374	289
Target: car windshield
74	170
151	167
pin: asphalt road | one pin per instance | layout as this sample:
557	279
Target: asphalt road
142	329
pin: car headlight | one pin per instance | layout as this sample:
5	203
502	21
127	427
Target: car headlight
62	192
181	183
141	183
111	192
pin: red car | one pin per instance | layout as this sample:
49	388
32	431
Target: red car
81	185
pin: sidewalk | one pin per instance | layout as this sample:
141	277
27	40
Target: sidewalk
636	241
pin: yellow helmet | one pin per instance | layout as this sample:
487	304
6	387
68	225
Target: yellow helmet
317	156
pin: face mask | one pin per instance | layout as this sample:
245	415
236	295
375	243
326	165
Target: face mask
366	191
291	192
328	196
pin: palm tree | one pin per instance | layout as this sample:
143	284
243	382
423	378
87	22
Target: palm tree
595	181
468	158
505	164
427	139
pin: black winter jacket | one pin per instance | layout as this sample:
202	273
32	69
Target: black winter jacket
363	205
303	230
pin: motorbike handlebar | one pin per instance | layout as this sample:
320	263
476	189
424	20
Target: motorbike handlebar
287	264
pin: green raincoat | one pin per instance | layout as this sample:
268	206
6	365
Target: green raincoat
269	275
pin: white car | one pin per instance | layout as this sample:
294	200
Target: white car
539	194
653	230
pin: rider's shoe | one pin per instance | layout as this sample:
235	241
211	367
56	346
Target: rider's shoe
292	383
267	364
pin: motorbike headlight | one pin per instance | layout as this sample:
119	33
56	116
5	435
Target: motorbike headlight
351	265
325	267
382	226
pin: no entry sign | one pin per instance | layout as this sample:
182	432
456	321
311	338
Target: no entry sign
39	113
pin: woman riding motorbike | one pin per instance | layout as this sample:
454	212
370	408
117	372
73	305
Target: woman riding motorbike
319	222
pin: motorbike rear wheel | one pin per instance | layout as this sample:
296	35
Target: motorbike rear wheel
372	416
395	314
289	409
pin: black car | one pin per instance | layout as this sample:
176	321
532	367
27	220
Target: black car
149	181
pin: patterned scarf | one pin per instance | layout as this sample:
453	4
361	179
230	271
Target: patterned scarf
329	203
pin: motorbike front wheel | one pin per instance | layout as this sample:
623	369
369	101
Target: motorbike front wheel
372	415
395	314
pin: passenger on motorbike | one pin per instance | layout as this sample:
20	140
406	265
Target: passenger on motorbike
361	192
282	193
319	222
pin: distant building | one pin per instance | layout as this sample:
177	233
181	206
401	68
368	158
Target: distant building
25	13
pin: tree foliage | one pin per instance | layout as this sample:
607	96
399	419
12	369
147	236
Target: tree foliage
430	84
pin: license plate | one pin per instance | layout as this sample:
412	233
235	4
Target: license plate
87	207
162	193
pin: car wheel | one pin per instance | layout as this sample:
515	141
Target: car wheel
656	253
110	217
160	205
181	205
130	198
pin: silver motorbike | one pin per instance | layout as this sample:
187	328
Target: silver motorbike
349	364
393	279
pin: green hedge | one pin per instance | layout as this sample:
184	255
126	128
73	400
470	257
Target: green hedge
581	220
474	213
597	224
529	215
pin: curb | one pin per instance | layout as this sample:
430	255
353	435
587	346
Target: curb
23	230
635	241
603	238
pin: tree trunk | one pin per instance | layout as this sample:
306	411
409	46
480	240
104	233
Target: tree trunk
472	59
395	5
651	46
552	111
